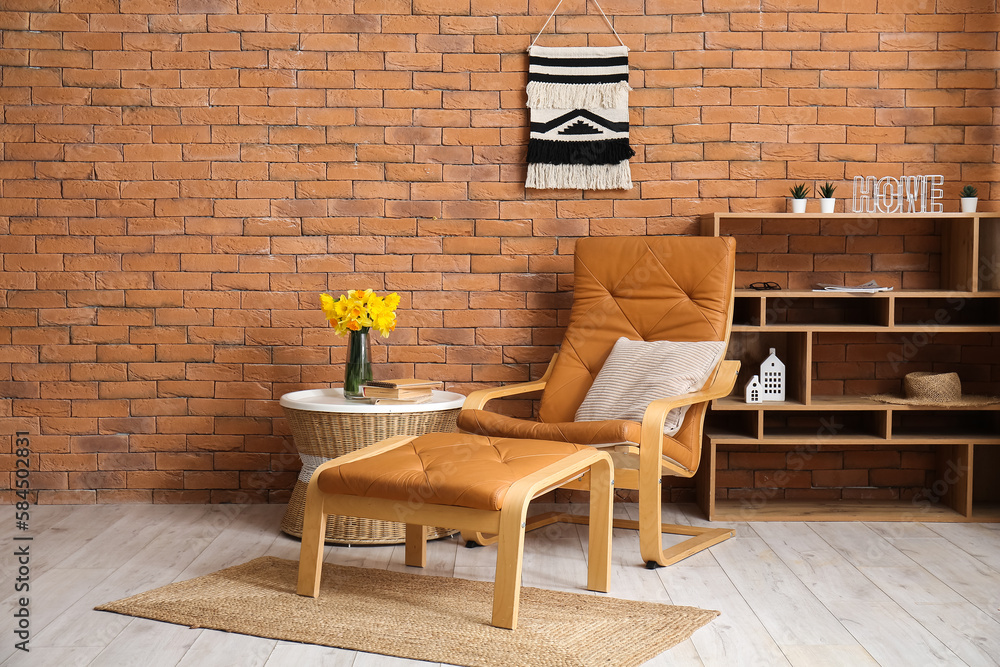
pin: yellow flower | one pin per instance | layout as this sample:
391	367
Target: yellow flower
385	322
360	310
341	307
362	296
327	303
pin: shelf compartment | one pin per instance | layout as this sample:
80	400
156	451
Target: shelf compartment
820	425
969	425
737	426
986	482
959	254
947	312
988	274
952	484
753	347
747	310
803	311
804	308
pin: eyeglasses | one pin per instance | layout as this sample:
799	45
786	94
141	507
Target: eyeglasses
765	285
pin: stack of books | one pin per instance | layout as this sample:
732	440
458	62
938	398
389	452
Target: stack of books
405	390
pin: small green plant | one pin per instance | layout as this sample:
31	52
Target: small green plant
799	191
969	191
826	190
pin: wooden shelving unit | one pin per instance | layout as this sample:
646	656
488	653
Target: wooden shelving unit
966	440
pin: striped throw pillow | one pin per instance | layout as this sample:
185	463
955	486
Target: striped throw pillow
639	372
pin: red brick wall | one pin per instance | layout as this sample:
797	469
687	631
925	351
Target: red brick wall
181	178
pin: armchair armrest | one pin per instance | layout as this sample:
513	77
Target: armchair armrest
477	399
656	412
720	387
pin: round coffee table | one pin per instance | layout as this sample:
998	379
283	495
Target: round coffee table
326	425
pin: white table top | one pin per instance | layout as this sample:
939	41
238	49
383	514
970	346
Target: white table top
332	400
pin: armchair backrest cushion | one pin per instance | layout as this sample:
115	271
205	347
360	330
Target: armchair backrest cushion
676	288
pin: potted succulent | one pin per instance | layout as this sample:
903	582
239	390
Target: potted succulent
827	201
799	193
969	199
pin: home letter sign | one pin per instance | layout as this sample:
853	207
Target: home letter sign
906	194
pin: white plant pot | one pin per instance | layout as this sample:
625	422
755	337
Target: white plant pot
969	204
827	204
798	205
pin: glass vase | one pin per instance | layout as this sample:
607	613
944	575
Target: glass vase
358	370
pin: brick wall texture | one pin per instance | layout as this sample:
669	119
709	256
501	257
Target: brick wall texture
182	178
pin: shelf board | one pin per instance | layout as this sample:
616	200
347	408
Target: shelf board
795	439
806	328
898	293
841	510
719	437
819	403
943	328
864	328
737	403
854	216
950	439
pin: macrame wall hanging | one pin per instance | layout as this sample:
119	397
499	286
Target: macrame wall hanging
578	97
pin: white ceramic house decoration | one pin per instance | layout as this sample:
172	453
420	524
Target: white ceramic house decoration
772	374
753	390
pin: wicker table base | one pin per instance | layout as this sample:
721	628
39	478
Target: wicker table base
320	436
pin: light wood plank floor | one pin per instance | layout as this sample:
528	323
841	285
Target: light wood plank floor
807	594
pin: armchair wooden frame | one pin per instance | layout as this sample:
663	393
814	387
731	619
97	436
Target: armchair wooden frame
640	468
507	523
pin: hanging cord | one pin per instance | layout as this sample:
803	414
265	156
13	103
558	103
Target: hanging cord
599	8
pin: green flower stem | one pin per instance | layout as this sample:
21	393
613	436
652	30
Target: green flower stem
358	370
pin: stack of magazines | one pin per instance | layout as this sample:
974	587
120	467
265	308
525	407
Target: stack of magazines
869	287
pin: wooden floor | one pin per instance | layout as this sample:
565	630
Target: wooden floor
790	593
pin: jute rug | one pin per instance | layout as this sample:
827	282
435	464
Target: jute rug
419	617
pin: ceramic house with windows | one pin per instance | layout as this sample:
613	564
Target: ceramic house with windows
753	390
772	378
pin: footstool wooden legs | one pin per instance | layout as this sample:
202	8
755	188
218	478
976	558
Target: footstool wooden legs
464	482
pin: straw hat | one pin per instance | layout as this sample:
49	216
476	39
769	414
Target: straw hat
943	389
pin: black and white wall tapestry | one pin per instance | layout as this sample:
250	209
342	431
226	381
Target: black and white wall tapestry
578	97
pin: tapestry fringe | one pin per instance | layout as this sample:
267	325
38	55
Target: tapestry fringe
579	176
546	95
608	151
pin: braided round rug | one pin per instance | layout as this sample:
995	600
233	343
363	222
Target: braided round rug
436	619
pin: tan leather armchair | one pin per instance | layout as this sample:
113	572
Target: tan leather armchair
642	288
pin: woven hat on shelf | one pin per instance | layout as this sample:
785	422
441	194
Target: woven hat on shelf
935	389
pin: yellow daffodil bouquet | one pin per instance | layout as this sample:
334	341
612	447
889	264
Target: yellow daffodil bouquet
353	315
361	311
